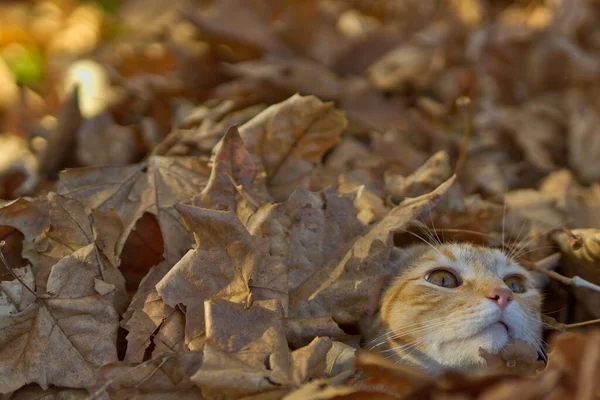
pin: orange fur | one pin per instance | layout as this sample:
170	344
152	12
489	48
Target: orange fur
440	328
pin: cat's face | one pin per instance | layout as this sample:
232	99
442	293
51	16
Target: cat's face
451	300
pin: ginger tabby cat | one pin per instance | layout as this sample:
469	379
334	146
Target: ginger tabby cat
449	300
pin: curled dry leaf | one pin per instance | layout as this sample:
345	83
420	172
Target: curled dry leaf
582	262
517	357
290	138
426	178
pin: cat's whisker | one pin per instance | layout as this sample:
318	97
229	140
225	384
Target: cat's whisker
524	252
509	255
397	333
434	230
427	232
422	239
544	232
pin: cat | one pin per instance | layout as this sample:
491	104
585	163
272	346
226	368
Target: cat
447	301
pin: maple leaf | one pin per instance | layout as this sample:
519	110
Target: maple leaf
152	186
290	137
228	263
61	338
233	165
346	288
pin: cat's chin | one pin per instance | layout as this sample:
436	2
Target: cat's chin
492	339
463	354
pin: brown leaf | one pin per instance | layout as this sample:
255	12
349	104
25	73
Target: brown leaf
57	341
306	231
426	178
345	288
228	263
583	137
165	376
300	331
71	228
145	314
290	137
152	186
33	391
293	76
310	361
246	351
13	296
232	165
582	262
517	357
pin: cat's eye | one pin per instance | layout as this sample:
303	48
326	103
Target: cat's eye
515	283
443	278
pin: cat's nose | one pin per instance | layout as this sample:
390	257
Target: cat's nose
500	295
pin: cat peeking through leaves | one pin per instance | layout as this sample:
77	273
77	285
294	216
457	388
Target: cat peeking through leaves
446	301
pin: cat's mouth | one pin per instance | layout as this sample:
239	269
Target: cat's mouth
503	324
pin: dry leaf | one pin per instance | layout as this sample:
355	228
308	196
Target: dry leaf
153	186
228	263
430	175
345	288
57	341
232	165
306	231
290	138
516	357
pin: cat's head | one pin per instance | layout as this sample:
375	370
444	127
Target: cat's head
448	301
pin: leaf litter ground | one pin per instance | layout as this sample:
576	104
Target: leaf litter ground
238	174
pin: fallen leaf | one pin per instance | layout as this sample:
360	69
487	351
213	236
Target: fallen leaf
164	376
516	357
290	137
426	178
345	288
228	263
152	186
232	165
58	341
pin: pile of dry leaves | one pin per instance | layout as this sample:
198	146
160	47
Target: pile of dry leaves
201	198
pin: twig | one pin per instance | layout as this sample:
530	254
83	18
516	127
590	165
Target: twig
2	244
463	103
559	326
575	281
576	242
